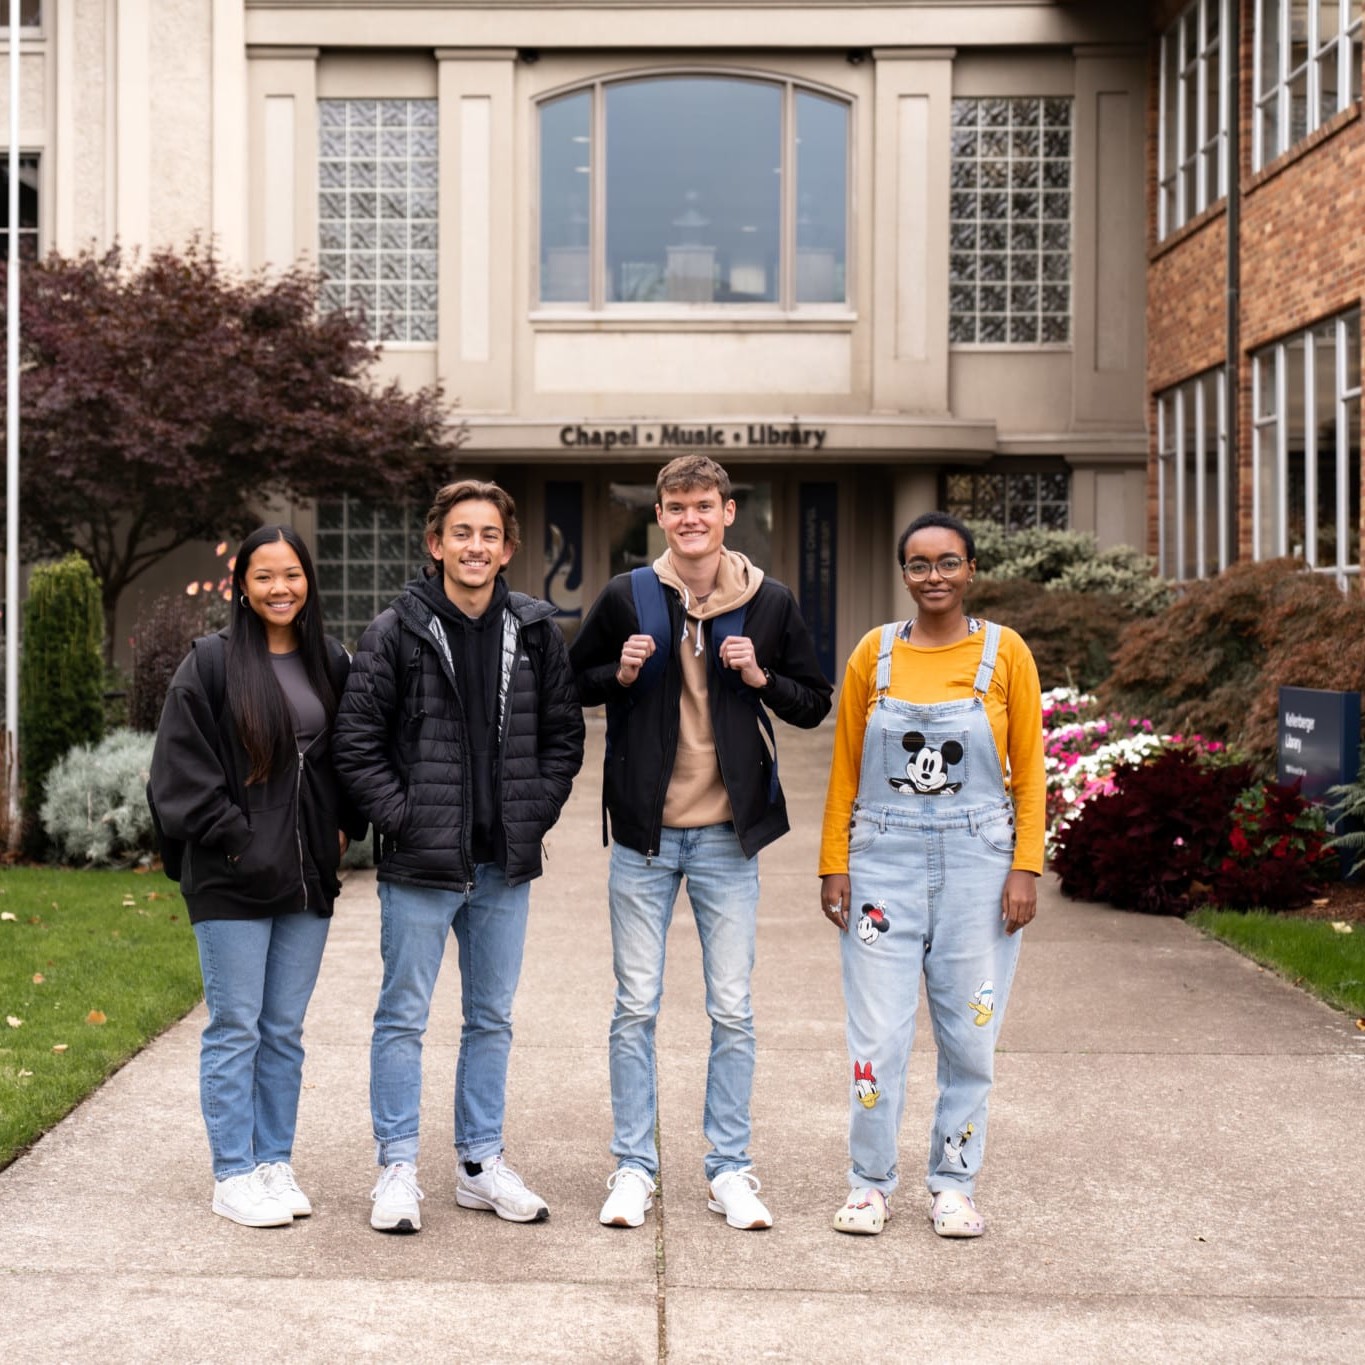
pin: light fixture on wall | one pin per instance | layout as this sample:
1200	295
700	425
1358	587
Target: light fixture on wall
855	56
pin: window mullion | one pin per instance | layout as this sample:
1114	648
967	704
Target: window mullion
1281	429
1343	472
1227	101
1161	487
1224	483
1200	479
1163	225
1201	120
1310	451
597	211
1178	529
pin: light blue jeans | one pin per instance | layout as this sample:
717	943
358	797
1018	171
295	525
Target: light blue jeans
722	885
925	899
490	932
258	975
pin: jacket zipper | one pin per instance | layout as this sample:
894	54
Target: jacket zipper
298	837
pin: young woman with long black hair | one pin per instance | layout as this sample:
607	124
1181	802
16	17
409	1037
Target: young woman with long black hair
242	780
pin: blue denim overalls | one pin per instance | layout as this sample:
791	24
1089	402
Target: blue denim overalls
930	843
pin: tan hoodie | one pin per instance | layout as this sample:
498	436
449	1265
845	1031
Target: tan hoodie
696	793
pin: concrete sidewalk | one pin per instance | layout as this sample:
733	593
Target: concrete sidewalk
1177	1167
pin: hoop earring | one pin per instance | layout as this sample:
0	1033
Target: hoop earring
241	597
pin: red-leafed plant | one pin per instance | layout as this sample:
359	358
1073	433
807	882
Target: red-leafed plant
1149	844
1274	850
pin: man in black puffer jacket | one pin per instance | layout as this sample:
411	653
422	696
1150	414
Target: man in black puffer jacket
459	736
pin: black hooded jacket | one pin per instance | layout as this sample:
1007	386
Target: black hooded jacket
404	749
250	851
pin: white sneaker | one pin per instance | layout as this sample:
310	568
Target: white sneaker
245	1200
395	1200
501	1190
631	1197
735	1194
278	1179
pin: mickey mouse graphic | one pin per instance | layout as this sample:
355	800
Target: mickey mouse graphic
865	1085
926	771
872	923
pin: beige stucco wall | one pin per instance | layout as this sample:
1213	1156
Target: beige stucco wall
180	120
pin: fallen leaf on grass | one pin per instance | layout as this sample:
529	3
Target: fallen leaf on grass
13	1022
1341	926
95	1017
156	896
1360	1024
23	1073
128	902
59	1047
38	978
5	914
1323	900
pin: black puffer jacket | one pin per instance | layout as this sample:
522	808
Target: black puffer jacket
249	851
639	764
401	740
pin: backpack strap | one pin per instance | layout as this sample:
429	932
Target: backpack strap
211	663
723	625
651	613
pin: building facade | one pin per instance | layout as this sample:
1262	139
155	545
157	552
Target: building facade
877	258
1257	172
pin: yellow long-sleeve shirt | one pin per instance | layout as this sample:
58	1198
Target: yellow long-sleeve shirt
944	673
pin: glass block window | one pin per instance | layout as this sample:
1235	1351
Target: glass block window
1196	479
1307	69
1018	500
363	555
377	225
1010	229
28	208
1193	126
1305	447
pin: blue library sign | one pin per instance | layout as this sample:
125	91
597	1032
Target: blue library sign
1319	738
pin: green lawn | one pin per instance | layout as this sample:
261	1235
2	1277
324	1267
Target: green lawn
81	945
1308	952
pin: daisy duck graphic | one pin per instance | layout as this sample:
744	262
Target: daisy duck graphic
865	1085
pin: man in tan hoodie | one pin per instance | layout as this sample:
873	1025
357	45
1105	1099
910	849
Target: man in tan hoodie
690	784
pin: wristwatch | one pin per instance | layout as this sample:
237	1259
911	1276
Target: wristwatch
767	679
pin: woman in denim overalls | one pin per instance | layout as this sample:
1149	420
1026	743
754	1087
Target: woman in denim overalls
928	865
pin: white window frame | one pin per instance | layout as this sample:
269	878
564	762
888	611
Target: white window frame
1172	460
36	26
1270	445
1182	147
786	305
35	155
1271	88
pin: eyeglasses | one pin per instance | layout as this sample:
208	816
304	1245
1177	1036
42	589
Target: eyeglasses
920	569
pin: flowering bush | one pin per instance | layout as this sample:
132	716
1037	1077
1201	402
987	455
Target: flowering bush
1083	746
1274	849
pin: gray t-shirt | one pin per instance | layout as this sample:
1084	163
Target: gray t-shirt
310	717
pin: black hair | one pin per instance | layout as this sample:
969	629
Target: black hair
944	522
255	698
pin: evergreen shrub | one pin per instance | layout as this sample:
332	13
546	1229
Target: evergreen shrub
1073	635
95	812
1071	561
1214	661
61	674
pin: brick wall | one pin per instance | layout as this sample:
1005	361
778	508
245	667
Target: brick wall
1302	244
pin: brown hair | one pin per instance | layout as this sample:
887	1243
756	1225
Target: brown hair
692	471
471	490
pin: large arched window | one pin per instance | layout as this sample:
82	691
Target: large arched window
698	189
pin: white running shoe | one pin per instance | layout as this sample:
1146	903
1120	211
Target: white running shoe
278	1178
631	1197
245	1200
396	1198
735	1194
501	1190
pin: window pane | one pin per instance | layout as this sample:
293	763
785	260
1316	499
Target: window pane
30	14
821	199
28	208
693	191
1295	425
1269	49
1208	534
565	198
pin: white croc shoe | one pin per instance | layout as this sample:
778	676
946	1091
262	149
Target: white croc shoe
865	1211
955	1215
